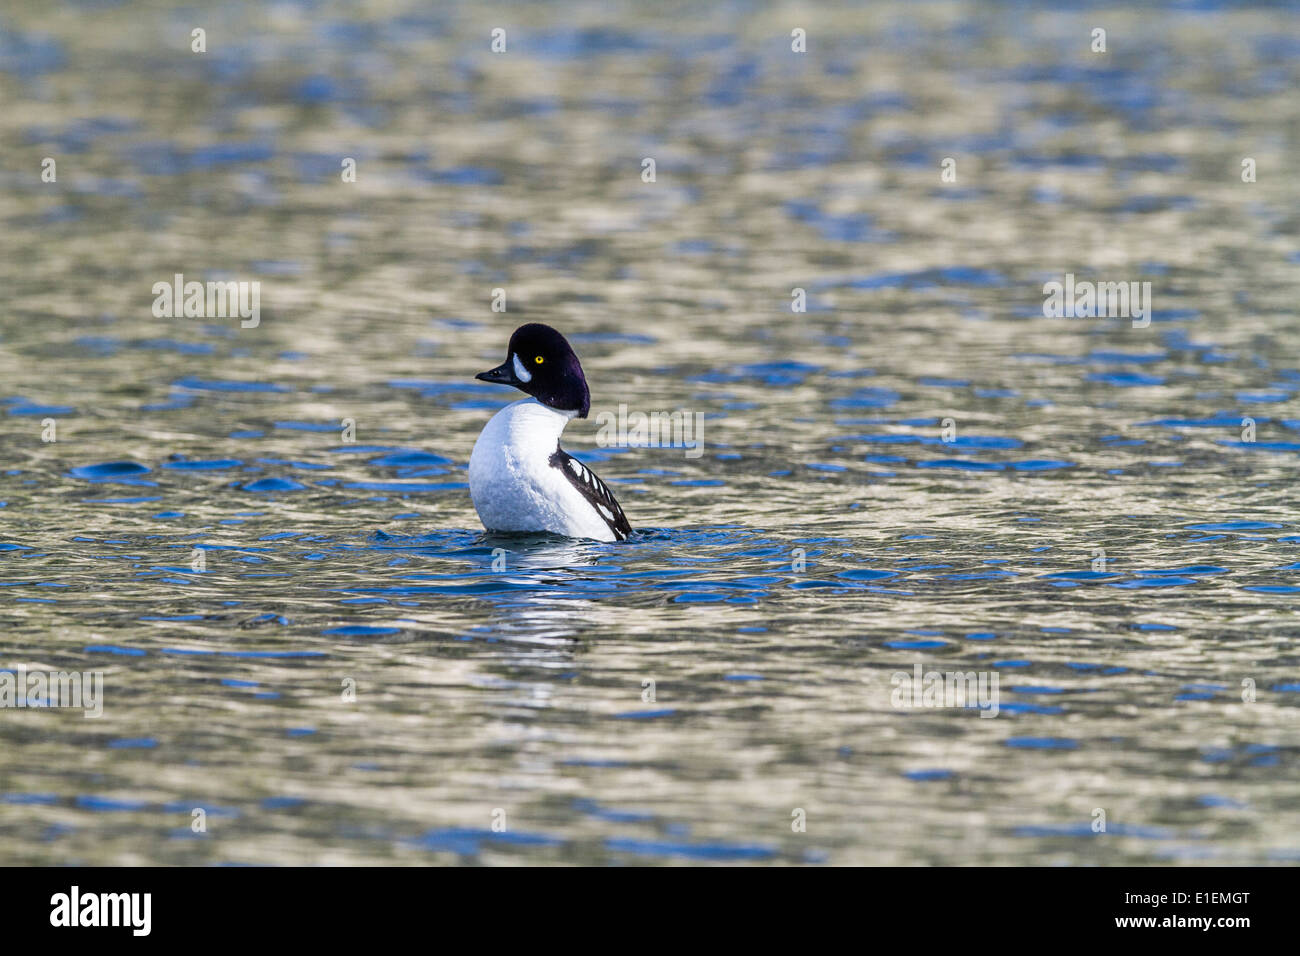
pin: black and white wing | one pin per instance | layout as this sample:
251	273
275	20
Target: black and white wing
594	490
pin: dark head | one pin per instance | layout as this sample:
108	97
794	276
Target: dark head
540	363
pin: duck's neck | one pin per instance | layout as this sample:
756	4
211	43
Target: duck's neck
529	423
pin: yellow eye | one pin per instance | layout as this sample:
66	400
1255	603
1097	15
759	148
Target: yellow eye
538	360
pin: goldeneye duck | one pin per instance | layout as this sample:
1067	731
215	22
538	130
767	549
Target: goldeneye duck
520	479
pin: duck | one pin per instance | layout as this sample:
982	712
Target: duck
520	479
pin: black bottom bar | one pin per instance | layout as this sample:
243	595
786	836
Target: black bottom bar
220	905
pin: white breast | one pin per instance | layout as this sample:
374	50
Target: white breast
513	484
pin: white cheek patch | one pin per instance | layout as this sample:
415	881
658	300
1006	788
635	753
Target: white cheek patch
521	373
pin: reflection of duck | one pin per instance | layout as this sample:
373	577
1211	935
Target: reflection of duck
539	551
519	477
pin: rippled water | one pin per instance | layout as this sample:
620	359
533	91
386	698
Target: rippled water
1096	524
